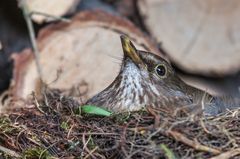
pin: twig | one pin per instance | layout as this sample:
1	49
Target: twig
37	104
70	130
157	131
135	152
85	143
196	145
9	152
18	136
47	149
228	134
134	137
204	127
32	35
155	115
95	133
228	154
91	152
123	140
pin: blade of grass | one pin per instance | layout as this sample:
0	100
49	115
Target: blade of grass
169	154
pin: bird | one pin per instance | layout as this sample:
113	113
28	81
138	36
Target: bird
148	80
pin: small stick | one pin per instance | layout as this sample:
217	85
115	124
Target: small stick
91	152
228	154
196	145
69	131
204	127
155	115
95	134
32	35
85	143
160	129
37	104
9	152
181	138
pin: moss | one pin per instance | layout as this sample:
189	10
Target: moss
36	152
64	125
5	156
6	125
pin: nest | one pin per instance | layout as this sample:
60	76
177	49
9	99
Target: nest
54	128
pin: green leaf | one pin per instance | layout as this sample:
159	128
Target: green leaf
91	109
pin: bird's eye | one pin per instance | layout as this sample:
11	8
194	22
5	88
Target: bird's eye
161	70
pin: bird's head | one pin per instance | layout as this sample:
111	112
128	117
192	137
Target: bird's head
152	69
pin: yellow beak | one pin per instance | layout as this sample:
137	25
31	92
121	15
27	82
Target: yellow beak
129	50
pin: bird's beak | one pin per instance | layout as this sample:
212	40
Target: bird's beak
129	50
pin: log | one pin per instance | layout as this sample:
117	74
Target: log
55	8
87	49
200	36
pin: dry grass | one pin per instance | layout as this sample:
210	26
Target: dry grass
54	128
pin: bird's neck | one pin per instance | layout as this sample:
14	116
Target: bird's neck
126	92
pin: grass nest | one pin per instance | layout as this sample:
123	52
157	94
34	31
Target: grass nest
55	127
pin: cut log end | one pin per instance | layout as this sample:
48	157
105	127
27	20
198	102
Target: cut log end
56	8
201	36
86	50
